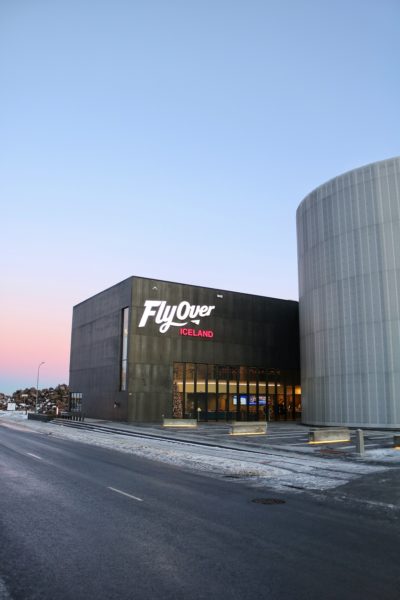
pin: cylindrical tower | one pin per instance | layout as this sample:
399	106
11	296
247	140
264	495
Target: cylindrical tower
348	236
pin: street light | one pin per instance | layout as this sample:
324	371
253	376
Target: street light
37	386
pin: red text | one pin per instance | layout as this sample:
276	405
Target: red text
206	333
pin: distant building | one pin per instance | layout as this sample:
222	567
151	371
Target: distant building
349	287
146	348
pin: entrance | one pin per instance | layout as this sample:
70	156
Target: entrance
235	393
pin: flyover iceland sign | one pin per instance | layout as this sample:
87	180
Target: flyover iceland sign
180	315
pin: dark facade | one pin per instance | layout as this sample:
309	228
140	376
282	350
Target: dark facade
145	348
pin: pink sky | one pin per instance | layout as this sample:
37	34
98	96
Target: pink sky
31	334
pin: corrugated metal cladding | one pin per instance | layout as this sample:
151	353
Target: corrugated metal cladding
349	286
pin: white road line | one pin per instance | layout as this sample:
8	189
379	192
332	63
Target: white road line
125	494
34	455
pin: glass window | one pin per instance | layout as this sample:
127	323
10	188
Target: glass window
212	383
252	381
233	379
222	405
189	379
201	378
212	405
243	380
289	400
232	406
262	382
178	389
189	391
124	349
224	392
222	379
298	401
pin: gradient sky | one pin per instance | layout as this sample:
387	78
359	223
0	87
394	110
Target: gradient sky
173	139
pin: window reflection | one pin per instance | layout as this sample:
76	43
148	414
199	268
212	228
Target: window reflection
178	386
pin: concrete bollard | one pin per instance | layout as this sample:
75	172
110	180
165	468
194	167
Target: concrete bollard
360	448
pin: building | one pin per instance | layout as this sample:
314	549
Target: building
145	349
349	288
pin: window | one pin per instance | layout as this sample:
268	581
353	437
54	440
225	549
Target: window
179	369
226	392
124	349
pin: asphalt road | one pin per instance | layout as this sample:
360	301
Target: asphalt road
83	522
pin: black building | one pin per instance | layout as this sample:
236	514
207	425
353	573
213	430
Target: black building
145	348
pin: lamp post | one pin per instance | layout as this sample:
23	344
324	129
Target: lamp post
37	386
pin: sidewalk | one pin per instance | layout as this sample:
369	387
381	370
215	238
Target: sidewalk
287	435
281	460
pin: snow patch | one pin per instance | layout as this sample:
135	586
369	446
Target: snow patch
281	469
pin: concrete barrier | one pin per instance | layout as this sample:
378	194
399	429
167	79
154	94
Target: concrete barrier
40	417
248	428
326	436
396	440
181	423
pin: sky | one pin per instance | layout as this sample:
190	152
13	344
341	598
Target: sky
173	139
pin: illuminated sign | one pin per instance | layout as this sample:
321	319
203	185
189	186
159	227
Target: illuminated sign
179	315
196	333
262	400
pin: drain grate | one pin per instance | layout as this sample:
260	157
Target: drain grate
269	501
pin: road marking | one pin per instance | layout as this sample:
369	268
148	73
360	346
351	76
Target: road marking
34	455
125	494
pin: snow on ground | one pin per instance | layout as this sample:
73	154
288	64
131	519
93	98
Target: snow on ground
280	468
389	455
15	415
